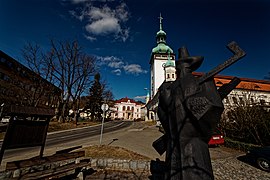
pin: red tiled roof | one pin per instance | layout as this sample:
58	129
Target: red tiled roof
246	83
126	100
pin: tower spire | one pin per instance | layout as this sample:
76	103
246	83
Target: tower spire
161	40
160	21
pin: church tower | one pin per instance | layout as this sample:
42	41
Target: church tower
161	54
169	70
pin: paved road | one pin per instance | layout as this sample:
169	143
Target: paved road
64	139
77	134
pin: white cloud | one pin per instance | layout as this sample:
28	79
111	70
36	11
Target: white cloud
78	1
103	20
90	38
117	72
124	35
141	98
119	65
110	61
103	26
116	64
134	69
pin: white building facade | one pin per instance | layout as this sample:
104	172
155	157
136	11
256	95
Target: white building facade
127	109
248	92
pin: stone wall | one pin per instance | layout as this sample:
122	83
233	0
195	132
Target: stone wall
105	163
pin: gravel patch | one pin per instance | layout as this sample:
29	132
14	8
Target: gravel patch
232	168
229	168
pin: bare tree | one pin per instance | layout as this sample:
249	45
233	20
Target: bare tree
72	71
107	95
37	87
67	67
246	119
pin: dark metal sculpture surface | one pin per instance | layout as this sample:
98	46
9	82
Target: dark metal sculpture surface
189	110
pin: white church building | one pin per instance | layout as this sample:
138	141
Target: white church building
162	65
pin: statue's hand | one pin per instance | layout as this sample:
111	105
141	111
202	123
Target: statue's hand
165	95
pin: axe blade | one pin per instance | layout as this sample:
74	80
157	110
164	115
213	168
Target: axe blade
238	54
235	49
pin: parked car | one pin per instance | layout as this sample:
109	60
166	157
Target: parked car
217	138
5	119
260	156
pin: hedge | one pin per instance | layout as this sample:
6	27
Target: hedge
241	146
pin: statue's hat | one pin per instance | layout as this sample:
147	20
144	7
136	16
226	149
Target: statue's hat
191	62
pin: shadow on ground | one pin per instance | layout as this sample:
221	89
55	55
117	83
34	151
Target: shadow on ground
248	160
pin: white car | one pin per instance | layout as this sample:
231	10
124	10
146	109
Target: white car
158	124
5	119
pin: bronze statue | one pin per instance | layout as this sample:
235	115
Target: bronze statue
189	110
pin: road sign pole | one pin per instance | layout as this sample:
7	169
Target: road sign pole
101	131
104	108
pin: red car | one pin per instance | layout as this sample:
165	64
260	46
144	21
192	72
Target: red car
217	138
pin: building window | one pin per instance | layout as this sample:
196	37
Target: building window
2	75
226	100
128	108
234	100
2	60
262	101
6	78
172	75
132	108
168	75
241	100
124	108
9	64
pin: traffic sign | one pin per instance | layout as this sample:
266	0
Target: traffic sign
104	107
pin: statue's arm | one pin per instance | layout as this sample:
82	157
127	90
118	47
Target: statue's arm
164	102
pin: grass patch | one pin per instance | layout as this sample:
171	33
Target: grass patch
240	146
56	126
114	152
150	123
2	135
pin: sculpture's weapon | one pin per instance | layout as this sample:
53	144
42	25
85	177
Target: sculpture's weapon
238	54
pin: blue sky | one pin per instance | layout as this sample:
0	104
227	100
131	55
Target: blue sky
121	34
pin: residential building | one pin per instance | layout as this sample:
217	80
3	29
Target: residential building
247	92
127	109
23	87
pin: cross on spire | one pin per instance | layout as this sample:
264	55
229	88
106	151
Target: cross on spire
160	21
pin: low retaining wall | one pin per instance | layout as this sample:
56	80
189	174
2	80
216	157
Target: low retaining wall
106	163
120	164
